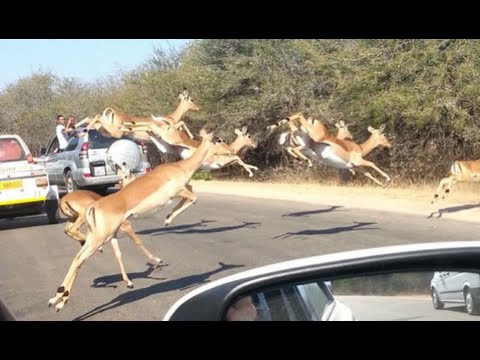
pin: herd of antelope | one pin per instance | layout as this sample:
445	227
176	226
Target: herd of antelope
307	139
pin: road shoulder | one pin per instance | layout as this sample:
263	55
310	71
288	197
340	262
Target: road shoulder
401	200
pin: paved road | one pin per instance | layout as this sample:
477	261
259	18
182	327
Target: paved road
219	236
403	308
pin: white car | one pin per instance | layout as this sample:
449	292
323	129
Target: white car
24	185
454	287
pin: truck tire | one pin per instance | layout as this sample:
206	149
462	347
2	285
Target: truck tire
53	211
70	184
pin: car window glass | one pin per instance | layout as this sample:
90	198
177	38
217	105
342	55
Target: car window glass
315	298
72	144
53	148
11	150
98	141
305	302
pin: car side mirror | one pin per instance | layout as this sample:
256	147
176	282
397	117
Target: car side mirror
377	297
385	283
43	151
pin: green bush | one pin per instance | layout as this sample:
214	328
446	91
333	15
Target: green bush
425	91
202	175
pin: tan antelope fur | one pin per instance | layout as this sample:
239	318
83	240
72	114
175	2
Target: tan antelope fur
146	194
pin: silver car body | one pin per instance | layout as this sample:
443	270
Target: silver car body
89	161
456	287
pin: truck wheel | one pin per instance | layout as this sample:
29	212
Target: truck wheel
53	211
70	184
471	303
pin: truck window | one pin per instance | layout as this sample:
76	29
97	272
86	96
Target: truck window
11	150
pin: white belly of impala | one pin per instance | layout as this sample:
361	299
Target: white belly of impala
300	140
185	153
155	201
329	158
210	166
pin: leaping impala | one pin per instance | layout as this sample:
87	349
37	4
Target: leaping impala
177	143
116	124
74	205
343	154
299	141
146	194
460	171
243	139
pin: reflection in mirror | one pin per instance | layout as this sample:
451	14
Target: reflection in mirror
424	296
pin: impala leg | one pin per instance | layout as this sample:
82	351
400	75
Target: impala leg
84	121
236	160
126	227
118	256
363	162
63	292
291	152
92	123
297	151
189	198
444	183
368	175
185	127
72	229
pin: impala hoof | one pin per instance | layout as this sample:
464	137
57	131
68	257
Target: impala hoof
130	286
60	306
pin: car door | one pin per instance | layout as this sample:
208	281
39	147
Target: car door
452	286
53	167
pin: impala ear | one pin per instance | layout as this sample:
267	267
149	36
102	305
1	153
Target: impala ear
337	125
382	127
244	129
238	132
370	129
342	123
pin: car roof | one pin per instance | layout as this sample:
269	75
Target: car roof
314	261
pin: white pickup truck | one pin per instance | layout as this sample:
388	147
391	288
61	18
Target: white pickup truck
24	185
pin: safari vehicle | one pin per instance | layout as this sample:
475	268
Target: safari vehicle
87	161
24	186
298	289
457	288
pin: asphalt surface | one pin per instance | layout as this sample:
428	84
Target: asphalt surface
219	236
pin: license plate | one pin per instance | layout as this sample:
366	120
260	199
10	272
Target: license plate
99	171
8	185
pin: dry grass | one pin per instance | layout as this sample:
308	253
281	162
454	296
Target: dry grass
462	204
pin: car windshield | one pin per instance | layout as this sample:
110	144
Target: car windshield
11	150
227	155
